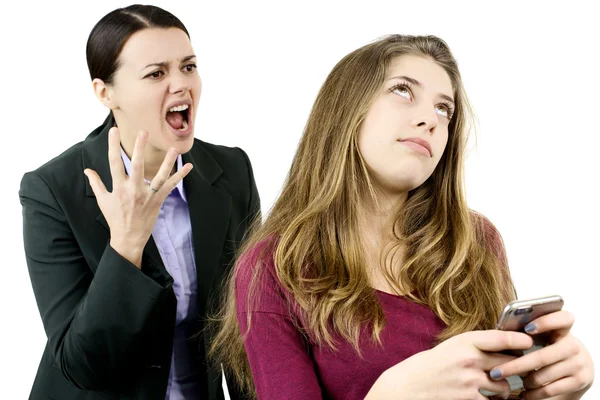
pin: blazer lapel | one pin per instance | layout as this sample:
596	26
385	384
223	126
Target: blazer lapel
95	157
210	210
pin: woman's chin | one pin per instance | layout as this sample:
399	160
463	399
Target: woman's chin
402	183
184	146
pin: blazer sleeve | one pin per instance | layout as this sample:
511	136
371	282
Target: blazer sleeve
93	321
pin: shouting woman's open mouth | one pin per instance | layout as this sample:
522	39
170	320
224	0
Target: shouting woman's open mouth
179	118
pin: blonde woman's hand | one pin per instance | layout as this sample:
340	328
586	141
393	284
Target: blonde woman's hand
563	368
455	369
132	207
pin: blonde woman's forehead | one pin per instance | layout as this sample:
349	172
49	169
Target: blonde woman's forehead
422	69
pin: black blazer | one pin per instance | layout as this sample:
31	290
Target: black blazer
110	325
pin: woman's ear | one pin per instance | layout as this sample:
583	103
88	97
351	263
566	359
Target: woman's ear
104	94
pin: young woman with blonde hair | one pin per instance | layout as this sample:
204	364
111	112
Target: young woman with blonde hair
371	277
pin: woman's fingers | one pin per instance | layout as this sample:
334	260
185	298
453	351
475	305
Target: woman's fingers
559	323
117	169
491	360
172	182
137	158
538	359
551	373
502	387
165	170
561	386
496	340
162	182
95	183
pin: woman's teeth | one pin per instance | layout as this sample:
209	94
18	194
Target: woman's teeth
179	108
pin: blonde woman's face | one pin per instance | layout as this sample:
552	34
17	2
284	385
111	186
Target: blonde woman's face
405	131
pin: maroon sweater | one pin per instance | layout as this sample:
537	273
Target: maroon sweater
286	364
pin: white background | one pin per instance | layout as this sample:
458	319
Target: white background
530	69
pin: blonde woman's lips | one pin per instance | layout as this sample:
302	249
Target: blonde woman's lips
419	145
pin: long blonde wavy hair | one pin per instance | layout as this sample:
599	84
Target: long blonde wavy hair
452	256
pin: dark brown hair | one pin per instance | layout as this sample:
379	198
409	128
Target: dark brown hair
112	32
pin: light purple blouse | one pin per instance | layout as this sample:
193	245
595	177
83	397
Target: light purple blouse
173	236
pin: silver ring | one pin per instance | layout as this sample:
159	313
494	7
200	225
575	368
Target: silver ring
151	188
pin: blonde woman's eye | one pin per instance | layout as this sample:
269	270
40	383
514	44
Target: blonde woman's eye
402	90
443	111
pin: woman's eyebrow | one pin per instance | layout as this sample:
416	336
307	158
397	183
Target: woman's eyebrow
164	64
417	83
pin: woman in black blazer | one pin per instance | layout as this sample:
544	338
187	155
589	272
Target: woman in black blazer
127	260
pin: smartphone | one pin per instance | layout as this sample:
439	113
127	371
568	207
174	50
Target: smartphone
515	316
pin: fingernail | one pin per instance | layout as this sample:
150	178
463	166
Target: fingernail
496	374
530	327
111	132
143	135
